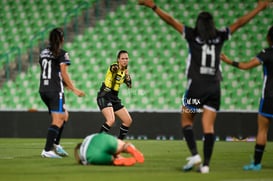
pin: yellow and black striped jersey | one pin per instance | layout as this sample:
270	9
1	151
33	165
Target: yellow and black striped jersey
113	80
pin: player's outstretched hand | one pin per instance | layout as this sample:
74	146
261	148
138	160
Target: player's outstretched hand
148	3
224	58
262	4
79	92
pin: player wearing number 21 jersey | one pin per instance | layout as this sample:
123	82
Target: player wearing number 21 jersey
53	61
51	79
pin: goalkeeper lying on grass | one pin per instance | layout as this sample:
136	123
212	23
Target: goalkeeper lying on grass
105	149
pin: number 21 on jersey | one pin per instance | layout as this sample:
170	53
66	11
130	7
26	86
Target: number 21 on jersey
46	64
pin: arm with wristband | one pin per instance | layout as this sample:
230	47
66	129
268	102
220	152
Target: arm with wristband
241	65
163	15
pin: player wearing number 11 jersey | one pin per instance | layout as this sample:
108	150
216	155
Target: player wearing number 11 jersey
54	77
203	92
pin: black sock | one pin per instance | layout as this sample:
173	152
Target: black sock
258	154
52	133
189	136
123	130
58	138
208	147
104	128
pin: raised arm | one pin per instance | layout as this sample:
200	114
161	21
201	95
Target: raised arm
163	15
261	5
241	65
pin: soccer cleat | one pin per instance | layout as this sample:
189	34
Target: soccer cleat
135	153
60	151
192	161
252	167
203	169
49	154
124	161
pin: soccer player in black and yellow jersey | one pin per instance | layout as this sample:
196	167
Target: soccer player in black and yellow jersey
108	100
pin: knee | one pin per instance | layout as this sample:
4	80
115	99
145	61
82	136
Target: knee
66	116
130	121
110	121
208	129
58	122
59	119
127	122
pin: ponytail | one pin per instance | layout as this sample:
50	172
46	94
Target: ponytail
205	27
270	35
55	40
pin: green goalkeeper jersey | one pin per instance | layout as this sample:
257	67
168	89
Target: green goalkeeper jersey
99	149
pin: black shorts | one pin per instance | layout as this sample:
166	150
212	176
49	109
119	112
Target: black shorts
55	101
266	107
108	98
201	94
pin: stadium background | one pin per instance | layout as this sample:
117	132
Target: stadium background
94	31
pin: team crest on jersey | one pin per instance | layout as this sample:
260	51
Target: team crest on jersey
200	41
118	77
66	56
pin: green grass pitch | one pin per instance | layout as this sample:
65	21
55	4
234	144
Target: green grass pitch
20	161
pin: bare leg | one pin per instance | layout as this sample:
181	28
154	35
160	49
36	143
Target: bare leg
126	119
187	119
53	130
124	116
263	125
208	120
109	116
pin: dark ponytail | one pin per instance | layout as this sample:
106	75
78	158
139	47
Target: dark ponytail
270	36
55	40
205	27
